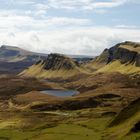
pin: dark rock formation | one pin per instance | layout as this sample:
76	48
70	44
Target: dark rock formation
58	61
125	54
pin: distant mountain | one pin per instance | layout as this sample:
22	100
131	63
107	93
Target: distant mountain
82	58
14	59
15	54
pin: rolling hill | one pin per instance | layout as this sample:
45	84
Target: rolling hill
14	59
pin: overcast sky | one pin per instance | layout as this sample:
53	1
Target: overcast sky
68	26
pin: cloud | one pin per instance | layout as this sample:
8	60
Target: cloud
87	41
84	4
13	22
35	25
21	2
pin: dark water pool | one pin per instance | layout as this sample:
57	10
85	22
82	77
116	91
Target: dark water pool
60	93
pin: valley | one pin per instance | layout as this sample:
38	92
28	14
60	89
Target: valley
104	107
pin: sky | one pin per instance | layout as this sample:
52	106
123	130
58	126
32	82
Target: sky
77	27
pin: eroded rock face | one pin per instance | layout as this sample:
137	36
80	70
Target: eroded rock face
126	52
57	61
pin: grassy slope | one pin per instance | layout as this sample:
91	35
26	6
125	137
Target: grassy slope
38	72
116	66
125	121
72	126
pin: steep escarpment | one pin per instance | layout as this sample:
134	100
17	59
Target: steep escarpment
126	52
123	57
55	65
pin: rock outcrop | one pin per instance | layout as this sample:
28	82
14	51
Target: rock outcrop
126	52
58	61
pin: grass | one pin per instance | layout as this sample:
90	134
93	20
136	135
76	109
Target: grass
122	130
84	124
125	121
69	132
56	126
39	72
116	66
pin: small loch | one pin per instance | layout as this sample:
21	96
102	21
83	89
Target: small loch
60	93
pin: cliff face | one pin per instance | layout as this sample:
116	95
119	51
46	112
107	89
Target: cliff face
126	52
123	58
57	62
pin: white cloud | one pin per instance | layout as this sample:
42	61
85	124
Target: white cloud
22	2
12	22
89	41
126	26
84	4
33	30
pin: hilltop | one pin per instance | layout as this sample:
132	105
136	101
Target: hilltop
123	57
55	65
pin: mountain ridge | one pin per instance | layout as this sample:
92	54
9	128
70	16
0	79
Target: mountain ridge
55	65
119	58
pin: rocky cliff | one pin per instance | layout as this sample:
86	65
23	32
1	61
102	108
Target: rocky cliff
58	61
126	52
123	57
